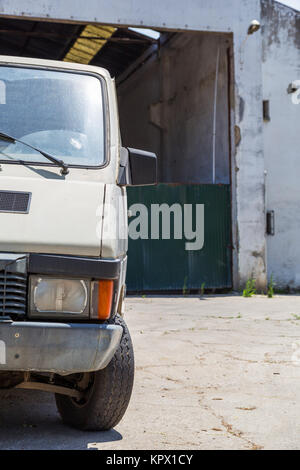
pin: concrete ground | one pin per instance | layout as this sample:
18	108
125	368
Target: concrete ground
221	372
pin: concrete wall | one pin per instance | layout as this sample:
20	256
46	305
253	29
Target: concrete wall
232	16
281	65
167	106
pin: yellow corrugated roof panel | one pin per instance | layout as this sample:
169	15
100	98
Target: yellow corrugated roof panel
84	50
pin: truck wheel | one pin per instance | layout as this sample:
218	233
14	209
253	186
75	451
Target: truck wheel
107	391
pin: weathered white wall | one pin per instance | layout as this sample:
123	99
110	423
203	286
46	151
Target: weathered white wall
281	65
199	15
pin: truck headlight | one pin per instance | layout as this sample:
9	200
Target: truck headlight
59	296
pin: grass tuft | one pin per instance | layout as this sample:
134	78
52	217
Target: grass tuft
250	288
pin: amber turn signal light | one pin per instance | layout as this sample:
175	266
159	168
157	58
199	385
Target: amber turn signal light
105	296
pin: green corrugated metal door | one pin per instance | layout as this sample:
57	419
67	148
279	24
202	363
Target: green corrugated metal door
160	264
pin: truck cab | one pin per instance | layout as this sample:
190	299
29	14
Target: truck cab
63	238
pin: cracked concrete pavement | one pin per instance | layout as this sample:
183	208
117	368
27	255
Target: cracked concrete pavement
218	372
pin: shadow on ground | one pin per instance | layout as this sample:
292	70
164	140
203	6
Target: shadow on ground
29	420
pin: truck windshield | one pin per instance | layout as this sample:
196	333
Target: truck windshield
59	112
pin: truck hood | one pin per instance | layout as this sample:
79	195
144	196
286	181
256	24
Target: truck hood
64	216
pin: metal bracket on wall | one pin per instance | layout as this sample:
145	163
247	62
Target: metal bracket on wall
270	223
266	110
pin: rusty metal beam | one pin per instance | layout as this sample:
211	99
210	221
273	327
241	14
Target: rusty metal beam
44	387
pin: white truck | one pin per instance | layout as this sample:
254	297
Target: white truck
63	238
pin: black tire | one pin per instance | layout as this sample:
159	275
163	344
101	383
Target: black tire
108	394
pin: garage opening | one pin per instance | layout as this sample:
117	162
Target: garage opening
174	93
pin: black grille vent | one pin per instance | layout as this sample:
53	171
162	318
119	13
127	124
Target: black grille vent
13	291
14	201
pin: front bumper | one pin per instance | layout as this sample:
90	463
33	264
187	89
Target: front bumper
61	348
